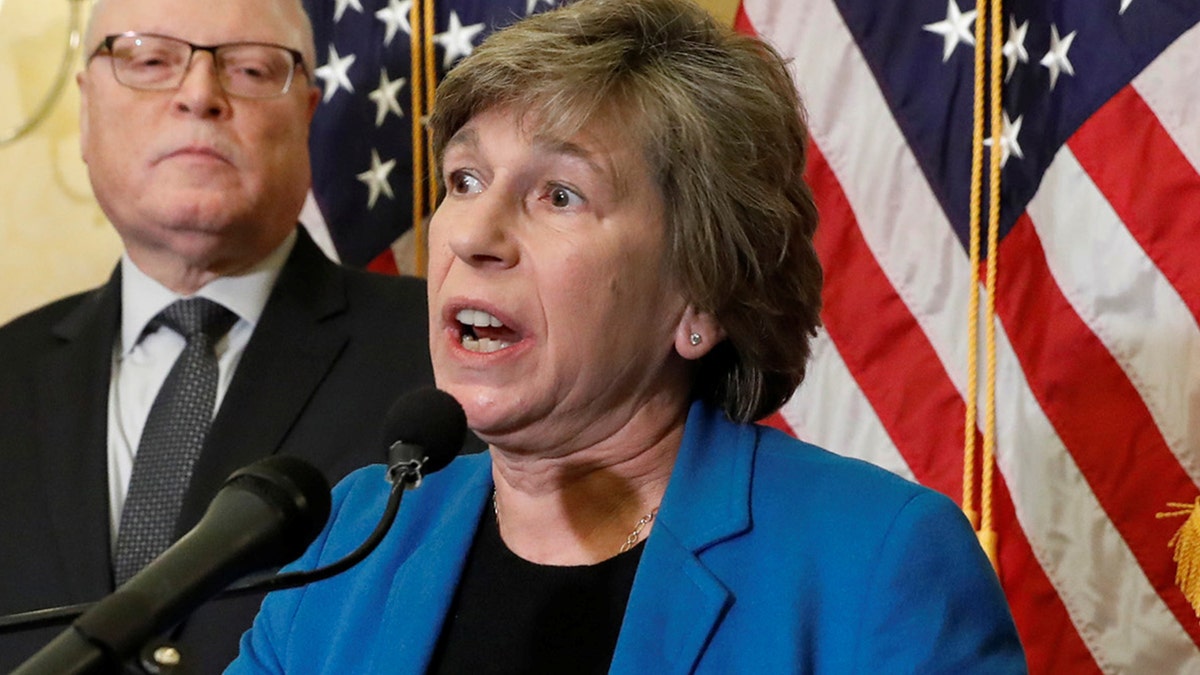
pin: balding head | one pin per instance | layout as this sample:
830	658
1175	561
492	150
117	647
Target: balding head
199	183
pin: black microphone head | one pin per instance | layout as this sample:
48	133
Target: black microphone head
429	420
295	487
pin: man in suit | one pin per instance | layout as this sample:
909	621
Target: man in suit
194	128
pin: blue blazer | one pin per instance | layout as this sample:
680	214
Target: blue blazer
768	555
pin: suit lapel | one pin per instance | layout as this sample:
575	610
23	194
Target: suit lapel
296	342
677	602
72	430
424	586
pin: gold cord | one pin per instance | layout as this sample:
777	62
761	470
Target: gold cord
989	15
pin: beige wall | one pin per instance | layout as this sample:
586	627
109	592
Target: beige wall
53	238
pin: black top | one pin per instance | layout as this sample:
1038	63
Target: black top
513	616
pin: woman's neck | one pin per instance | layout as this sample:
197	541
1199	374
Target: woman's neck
582	507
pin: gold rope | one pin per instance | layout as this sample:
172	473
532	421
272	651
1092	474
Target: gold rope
989	15
418	145
430	168
968	483
987	532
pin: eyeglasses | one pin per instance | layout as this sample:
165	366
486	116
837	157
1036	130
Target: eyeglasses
158	63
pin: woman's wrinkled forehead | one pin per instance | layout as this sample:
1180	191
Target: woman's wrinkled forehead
599	141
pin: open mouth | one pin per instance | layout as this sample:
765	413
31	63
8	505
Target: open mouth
483	333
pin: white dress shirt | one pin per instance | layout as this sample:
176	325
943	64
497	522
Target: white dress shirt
140	366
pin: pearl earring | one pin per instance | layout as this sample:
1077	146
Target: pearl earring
695	339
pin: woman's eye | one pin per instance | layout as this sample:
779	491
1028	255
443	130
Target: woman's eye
563	198
463	183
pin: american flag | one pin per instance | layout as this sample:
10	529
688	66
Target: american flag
1097	293
1098	354
361	140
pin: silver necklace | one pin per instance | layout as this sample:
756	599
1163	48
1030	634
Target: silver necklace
630	541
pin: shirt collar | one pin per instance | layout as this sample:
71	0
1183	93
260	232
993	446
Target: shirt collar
142	298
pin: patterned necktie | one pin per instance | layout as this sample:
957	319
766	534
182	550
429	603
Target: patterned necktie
174	433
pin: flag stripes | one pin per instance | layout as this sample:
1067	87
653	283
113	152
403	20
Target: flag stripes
1098	345
1116	145
1095	423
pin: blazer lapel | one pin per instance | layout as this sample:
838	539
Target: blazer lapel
676	602
424	586
72	428
675	606
297	340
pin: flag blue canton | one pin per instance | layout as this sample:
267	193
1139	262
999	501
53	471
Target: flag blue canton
1063	60
361	141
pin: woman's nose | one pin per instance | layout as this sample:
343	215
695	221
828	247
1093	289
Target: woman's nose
479	230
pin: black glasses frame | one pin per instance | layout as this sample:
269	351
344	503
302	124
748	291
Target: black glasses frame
105	48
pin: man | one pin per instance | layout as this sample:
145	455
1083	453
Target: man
194	128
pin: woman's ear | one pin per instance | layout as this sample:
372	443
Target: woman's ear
697	333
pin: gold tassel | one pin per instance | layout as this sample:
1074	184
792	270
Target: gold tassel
1186	543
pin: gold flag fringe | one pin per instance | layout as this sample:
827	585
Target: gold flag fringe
1186	543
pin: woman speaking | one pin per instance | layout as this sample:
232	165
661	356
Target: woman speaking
621	280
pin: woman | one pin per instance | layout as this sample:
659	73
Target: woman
621	279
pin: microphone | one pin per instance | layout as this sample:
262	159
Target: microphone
265	515
428	427
423	431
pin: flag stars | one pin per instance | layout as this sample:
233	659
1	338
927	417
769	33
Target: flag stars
457	41
385	98
376	179
341	6
1056	60
531	5
1014	48
395	18
336	73
954	29
1009	145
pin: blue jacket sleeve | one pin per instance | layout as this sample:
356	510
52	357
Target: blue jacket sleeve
938	606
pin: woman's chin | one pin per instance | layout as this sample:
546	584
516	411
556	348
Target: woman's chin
487	409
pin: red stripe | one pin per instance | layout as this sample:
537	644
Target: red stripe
1096	412
1151	185
883	346
384	263
741	22
899	373
1052	644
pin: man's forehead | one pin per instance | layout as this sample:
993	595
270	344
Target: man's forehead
201	20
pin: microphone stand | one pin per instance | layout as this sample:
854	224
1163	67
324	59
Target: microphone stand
404	475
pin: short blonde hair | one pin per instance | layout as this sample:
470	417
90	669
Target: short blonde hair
723	131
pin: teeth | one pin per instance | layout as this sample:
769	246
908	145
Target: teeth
483	345
477	317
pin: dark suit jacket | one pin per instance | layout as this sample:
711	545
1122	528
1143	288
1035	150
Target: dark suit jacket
333	348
